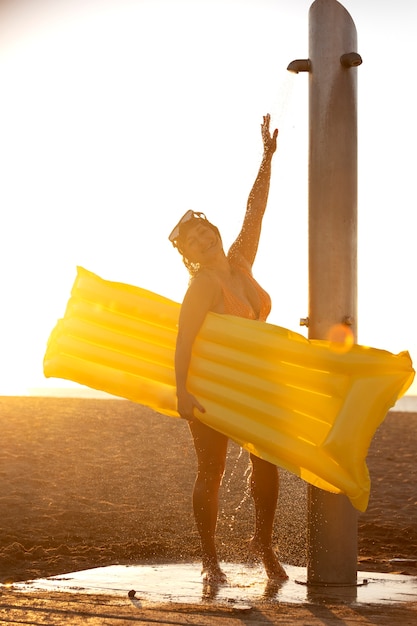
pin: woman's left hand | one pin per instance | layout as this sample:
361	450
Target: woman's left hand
269	141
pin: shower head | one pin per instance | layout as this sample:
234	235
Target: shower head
299	65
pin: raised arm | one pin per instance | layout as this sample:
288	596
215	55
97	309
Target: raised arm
246	245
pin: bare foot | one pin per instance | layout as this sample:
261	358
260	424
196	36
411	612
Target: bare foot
213	575
273	567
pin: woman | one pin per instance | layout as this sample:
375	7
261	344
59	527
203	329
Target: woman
224	284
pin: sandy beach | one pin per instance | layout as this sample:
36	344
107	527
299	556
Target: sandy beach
94	482
87	483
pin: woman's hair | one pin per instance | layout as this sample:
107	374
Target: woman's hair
183	228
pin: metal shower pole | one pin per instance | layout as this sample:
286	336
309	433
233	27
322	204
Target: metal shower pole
332	521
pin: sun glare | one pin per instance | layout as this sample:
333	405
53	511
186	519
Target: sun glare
341	338
117	117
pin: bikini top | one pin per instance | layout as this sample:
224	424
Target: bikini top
233	305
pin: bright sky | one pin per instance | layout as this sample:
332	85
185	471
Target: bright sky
116	116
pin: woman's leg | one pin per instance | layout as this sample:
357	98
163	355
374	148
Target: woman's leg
211	449
264	488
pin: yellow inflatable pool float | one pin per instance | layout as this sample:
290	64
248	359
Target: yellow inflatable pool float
292	401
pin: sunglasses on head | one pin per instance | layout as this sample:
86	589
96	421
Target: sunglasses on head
189	215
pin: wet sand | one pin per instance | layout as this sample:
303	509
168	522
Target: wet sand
87	483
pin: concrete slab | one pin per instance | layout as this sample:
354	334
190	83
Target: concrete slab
150	585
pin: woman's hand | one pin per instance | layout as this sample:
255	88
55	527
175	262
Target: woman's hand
269	141
186	405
